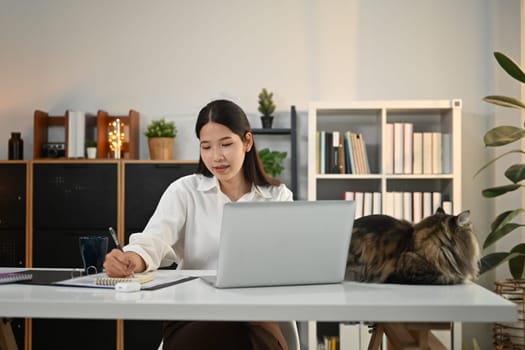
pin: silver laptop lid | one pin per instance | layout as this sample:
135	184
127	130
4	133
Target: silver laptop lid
284	243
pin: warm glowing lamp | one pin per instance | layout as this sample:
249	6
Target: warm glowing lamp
116	137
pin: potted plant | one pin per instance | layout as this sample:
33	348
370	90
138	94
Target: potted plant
161	136
514	289
91	149
496	137
272	161
266	108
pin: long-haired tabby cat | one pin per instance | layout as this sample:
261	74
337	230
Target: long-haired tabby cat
440	249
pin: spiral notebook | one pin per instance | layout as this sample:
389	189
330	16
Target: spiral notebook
112	281
11	277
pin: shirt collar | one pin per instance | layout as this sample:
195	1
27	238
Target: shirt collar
209	183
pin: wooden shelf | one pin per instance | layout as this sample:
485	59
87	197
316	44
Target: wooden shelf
130	148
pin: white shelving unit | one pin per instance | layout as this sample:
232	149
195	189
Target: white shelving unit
370	118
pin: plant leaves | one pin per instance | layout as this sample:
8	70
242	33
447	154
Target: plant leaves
504	230
505	218
503	135
517	264
499	190
510	66
490	261
498	157
504	101
515	173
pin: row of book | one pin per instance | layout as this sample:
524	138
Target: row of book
341	153
411	152
410	206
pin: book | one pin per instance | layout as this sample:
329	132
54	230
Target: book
349	158
322	152
398	148
427	204
11	277
446	157
111	281
407	206
398	205
376	203
359	204
417	205
389	149
427	153
408	142
367	203
437	167
417	148
365	155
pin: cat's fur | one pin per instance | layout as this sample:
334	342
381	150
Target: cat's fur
440	249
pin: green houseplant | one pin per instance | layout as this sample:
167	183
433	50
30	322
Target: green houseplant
266	108
496	137
161	136
272	161
91	149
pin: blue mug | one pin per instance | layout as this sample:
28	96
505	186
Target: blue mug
93	250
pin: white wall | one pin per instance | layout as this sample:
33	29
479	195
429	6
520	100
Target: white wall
169	58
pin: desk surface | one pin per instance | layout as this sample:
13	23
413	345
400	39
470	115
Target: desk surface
196	300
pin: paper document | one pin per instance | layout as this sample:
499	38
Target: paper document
150	280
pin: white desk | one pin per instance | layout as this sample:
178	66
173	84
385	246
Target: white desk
196	300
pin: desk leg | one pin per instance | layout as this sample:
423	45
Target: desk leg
377	337
7	338
407	336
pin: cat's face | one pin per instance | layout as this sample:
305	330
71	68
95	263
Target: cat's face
449	242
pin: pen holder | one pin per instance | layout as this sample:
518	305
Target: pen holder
93	250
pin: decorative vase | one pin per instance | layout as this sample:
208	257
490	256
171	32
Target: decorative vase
161	148
267	121
91	152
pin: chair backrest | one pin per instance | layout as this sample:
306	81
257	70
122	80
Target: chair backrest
291	334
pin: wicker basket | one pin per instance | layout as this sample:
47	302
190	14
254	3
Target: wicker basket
511	335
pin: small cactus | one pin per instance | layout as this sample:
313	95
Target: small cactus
266	105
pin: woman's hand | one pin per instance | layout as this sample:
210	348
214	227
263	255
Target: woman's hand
122	264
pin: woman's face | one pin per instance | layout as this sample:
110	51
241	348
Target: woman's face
223	151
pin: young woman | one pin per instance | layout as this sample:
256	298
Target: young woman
184	228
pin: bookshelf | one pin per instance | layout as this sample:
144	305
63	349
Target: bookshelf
371	119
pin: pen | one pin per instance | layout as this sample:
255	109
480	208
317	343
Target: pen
117	243
115	238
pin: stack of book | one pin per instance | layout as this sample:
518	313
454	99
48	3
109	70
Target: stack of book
410	206
341	153
416	152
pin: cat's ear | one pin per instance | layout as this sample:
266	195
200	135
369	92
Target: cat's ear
440	211
464	218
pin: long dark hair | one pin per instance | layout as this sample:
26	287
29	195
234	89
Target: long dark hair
233	117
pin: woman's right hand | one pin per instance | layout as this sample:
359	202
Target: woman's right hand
122	264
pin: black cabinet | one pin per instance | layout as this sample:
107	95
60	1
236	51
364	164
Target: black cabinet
13	201
144	184
72	199
69	199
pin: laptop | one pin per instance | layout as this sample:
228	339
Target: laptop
283	243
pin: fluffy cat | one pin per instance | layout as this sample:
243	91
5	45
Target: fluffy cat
440	249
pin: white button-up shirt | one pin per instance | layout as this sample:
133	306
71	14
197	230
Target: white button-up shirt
185	226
